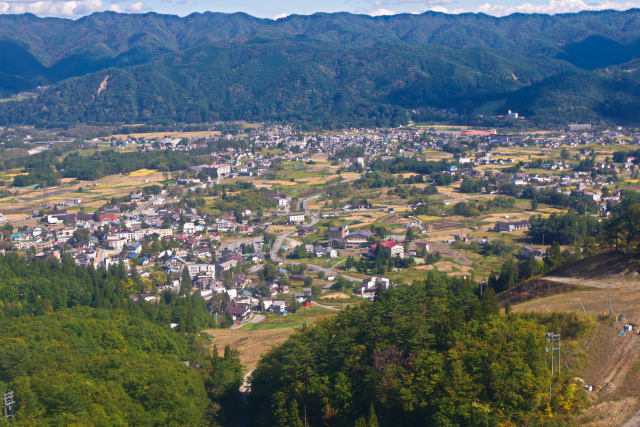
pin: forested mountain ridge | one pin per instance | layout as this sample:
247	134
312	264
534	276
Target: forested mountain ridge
357	68
54	39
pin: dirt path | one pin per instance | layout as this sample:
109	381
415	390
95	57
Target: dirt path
326	307
594	283
633	421
626	357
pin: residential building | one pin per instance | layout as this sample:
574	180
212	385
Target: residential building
297	217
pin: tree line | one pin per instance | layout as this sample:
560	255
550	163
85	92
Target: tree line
434	353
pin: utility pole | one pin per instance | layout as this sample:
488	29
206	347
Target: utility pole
45	194
553	344
610	303
9	403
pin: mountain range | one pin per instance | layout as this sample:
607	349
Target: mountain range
334	69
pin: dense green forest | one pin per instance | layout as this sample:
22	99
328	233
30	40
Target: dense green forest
101	367
321	70
433	353
102	163
565	229
76	349
39	286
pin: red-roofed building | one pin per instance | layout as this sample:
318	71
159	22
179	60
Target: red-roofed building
396	248
108	217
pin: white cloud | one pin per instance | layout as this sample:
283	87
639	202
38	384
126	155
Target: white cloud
423	3
136	7
64	8
382	12
443	9
553	7
392	7
280	16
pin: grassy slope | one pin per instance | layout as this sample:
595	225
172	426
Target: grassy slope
602	358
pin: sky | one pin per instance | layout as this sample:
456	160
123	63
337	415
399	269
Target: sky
278	9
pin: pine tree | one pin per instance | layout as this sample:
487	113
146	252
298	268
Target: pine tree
360	422
294	415
373	419
185	283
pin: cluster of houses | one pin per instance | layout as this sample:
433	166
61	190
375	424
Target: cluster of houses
182	242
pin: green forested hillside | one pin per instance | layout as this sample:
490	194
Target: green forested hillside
428	354
329	69
99	367
75	349
296	81
37	286
611	95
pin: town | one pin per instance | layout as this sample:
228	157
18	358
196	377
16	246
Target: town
278	217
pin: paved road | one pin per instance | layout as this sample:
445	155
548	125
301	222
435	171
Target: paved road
280	239
257	318
420	223
327	271
277	245
140	208
305	203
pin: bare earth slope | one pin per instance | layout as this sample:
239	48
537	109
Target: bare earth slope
608	361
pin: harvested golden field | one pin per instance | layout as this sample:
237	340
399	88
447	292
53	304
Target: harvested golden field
92	196
279	229
335	295
434	155
268	183
152	135
251	344
595	301
448	267
254	339
130	180
143	172
350	175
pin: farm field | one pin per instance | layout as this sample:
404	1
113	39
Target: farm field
153	135
92	193
253	340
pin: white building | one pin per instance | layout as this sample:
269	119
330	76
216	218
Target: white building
201	269
222	169
593	195
116	242
296	218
